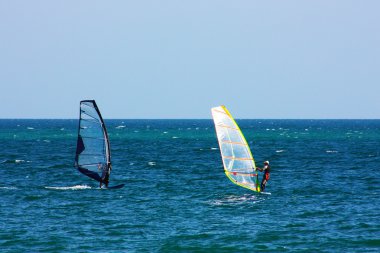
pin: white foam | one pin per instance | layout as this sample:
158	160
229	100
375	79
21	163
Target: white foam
119	127
280	151
19	161
175	137
331	151
8	188
236	200
152	163
30	128
75	187
214	148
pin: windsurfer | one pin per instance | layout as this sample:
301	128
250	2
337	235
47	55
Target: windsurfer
266	176
105	176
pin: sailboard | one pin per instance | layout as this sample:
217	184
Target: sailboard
93	155
238	162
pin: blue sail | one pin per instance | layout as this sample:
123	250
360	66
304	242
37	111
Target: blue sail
92	157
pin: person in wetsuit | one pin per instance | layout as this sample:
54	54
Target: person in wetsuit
266	176
105	174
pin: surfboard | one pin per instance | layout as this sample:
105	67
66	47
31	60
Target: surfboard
116	186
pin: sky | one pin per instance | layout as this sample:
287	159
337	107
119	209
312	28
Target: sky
177	59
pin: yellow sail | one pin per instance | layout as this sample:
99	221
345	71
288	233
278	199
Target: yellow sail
237	158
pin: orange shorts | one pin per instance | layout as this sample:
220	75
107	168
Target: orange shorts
267	176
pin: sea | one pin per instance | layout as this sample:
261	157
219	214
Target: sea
324	185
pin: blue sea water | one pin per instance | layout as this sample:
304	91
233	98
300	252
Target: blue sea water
325	189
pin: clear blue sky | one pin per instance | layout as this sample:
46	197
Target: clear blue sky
177	59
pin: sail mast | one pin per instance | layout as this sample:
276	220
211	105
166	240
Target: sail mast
108	149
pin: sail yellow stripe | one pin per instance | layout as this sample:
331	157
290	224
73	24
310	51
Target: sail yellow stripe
242	174
221	112
237	143
237	158
224	126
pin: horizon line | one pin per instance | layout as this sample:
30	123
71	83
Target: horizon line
195	118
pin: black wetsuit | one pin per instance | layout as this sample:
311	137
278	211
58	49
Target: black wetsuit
105	176
266	177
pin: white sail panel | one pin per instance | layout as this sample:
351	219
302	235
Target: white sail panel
237	158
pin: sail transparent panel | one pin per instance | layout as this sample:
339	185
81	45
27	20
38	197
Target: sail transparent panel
236	155
92	154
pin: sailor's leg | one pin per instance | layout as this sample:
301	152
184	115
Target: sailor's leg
263	183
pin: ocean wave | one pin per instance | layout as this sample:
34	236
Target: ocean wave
152	163
331	151
236	200
58	166
14	161
8	188
208	149
75	187
120	127
280	151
